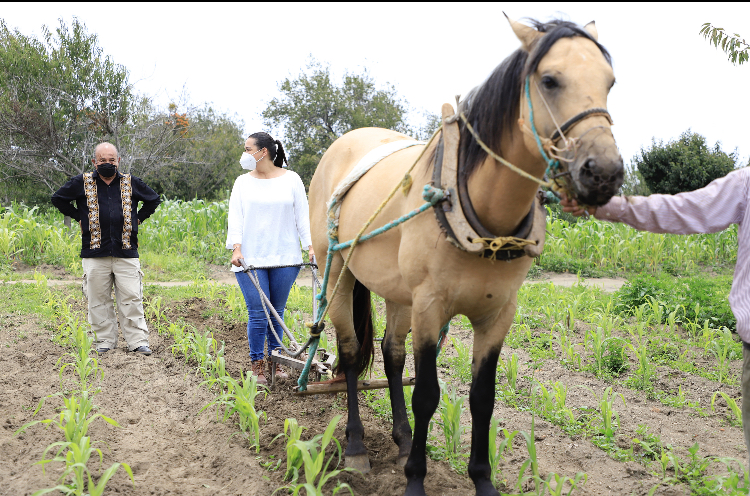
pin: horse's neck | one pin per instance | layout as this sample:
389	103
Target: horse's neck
501	197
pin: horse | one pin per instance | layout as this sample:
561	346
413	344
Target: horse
425	280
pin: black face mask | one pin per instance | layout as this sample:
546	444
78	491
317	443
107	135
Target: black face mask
106	170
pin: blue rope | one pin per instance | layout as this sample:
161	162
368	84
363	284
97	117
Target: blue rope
552	165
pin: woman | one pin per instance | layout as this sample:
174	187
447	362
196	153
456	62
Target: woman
268	218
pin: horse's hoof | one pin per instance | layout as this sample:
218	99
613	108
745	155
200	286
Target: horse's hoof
401	460
485	488
358	462
415	488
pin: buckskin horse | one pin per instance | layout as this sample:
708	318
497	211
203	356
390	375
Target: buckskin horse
548	99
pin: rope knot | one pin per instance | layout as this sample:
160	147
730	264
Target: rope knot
432	194
406	184
315	329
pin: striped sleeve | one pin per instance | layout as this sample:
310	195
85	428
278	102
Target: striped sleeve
706	210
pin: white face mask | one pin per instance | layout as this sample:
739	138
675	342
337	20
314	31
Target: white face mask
247	161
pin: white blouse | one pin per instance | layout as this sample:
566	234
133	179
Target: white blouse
269	218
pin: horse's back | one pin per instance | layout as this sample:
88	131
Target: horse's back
344	154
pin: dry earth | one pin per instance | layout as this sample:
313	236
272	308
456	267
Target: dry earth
174	450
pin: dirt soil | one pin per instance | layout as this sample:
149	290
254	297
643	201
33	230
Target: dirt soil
174	450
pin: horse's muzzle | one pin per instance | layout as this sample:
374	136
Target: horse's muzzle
598	179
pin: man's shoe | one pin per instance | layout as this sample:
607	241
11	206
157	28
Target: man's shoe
143	350
102	350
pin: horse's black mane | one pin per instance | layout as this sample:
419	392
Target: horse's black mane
493	105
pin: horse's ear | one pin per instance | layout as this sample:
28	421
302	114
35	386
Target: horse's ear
591	29
526	34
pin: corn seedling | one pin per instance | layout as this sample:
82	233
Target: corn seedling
550	403
560	481
571	357
609	418
510	368
76	460
292	433
731	405
240	398
86	367
532	464
316	466
497	450
646	369
450	409
460	365
153	311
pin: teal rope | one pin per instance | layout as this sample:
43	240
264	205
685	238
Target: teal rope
430	194
302	381
552	165
443	334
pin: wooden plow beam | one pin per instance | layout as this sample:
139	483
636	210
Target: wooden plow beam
340	387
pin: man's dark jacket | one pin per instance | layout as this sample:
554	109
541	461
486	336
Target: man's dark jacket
111	219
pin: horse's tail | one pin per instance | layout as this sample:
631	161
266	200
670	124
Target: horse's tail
363	328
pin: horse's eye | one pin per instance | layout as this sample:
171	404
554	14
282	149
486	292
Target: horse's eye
549	82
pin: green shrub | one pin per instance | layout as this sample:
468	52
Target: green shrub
695	298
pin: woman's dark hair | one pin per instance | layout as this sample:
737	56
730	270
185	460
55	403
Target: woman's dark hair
275	150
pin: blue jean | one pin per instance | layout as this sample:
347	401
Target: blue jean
276	284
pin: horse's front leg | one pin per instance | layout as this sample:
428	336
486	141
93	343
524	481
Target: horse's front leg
394	356
427	319
488	340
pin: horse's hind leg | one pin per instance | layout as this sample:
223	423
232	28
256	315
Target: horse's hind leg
488	340
340	313
394	356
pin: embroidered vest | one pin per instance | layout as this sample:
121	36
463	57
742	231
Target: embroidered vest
92	202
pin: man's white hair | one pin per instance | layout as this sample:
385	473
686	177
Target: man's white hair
105	143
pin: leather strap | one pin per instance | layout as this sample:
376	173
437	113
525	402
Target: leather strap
456	216
576	118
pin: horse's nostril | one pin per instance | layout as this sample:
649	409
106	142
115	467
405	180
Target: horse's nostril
588	171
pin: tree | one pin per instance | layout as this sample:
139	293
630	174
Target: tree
683	165
213	146
633	184
735	47
313	111
60	97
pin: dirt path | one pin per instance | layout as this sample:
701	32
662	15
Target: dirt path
305	279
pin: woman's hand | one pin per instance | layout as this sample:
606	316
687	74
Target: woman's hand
311	253
571	206
236	256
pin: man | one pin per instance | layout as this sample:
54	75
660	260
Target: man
106	205
707	210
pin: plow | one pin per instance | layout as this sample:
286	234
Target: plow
294	355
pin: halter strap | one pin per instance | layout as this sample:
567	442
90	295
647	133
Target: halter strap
577	118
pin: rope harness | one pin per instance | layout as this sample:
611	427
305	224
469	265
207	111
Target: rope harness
432	196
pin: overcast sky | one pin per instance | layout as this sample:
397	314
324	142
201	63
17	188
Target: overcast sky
669	78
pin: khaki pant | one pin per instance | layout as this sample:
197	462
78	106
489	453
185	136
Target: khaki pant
100	275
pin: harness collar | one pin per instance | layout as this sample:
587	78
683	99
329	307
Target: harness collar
458	219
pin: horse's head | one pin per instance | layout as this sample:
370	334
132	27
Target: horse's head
567	76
